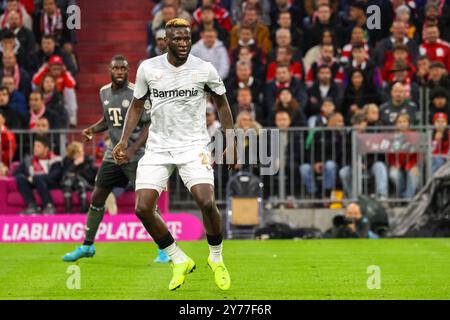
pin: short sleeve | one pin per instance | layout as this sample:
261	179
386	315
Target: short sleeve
146	114
141	89
214	82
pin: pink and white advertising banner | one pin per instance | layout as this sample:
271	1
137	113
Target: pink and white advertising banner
70	228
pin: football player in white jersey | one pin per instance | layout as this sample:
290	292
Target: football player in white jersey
176	83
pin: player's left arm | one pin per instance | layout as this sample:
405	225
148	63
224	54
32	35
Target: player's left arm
224	110
226	120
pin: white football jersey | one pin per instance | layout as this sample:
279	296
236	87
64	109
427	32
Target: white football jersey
177	95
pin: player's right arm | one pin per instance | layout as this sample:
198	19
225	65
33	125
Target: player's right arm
99	126
134	114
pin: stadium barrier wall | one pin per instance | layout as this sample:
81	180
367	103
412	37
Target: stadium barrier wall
71	228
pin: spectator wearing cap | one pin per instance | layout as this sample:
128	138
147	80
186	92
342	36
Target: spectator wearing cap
160	46
211	49
49	20
7	145
12	68
396	105
401	73
400	54
439	103
244	102
13	120
17	6
24	35
212	124
327	58
9	42
384	54
441	141
435	48
438	76
17	99
47	50
65	84
251	18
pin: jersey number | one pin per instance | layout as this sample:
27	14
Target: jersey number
115	116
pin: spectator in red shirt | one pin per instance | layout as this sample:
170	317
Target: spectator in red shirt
400	54
65	84
435	48
8	143
284	55
441	141
208	22
403	163
221	14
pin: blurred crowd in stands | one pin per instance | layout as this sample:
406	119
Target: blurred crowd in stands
37	89
321	64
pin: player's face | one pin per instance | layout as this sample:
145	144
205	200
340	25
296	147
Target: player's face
179	42
119	72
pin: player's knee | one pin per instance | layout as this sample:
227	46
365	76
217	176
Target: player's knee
144	210
207	205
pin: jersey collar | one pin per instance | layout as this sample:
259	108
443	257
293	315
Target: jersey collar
171	66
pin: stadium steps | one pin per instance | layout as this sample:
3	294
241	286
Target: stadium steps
108	27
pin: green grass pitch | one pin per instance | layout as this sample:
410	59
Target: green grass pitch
313	269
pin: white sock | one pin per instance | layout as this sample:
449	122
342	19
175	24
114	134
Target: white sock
215	253
175	253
